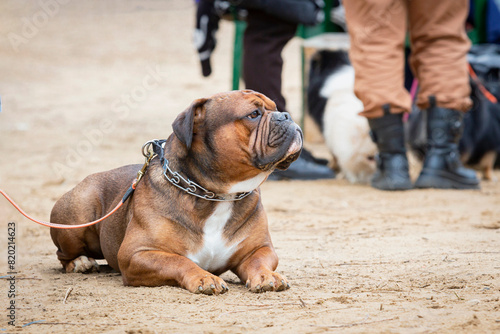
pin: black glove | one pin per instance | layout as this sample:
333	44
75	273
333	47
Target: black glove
307	12
207	23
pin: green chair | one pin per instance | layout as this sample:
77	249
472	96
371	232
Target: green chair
478	34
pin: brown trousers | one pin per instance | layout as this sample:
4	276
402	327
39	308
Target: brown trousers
439	47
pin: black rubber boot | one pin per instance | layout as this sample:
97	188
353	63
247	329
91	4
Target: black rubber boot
442	166
392	164
306	167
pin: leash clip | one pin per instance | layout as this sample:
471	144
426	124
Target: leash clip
149	153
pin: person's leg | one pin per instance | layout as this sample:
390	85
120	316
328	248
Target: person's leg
439	46
264	39
439	61
377	30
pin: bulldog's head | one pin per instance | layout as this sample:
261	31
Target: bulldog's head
240	133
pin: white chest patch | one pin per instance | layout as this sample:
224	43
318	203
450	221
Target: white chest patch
248	185
215	251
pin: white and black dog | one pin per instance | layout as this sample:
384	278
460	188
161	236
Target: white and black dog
334	108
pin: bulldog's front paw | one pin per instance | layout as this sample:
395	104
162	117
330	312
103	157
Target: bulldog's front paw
207	284
267	281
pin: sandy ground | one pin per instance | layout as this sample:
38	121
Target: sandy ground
85	83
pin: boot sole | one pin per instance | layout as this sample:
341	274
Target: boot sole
392	187
442	180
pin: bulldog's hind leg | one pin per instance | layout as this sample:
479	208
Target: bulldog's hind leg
74	252
77	248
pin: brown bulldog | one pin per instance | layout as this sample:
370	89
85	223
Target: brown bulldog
197	211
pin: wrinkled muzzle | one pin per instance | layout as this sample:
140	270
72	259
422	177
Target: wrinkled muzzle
283	142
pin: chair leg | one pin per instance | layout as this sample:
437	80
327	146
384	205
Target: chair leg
238	52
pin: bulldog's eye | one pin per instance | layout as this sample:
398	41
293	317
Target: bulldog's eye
256	113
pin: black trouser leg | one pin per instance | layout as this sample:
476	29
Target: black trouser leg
264	39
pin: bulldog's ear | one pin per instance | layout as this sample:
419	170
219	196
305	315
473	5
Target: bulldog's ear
183	125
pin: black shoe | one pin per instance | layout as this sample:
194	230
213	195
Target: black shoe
392	164
442	166
306	167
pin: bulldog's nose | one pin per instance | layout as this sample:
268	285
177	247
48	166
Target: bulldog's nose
281	116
